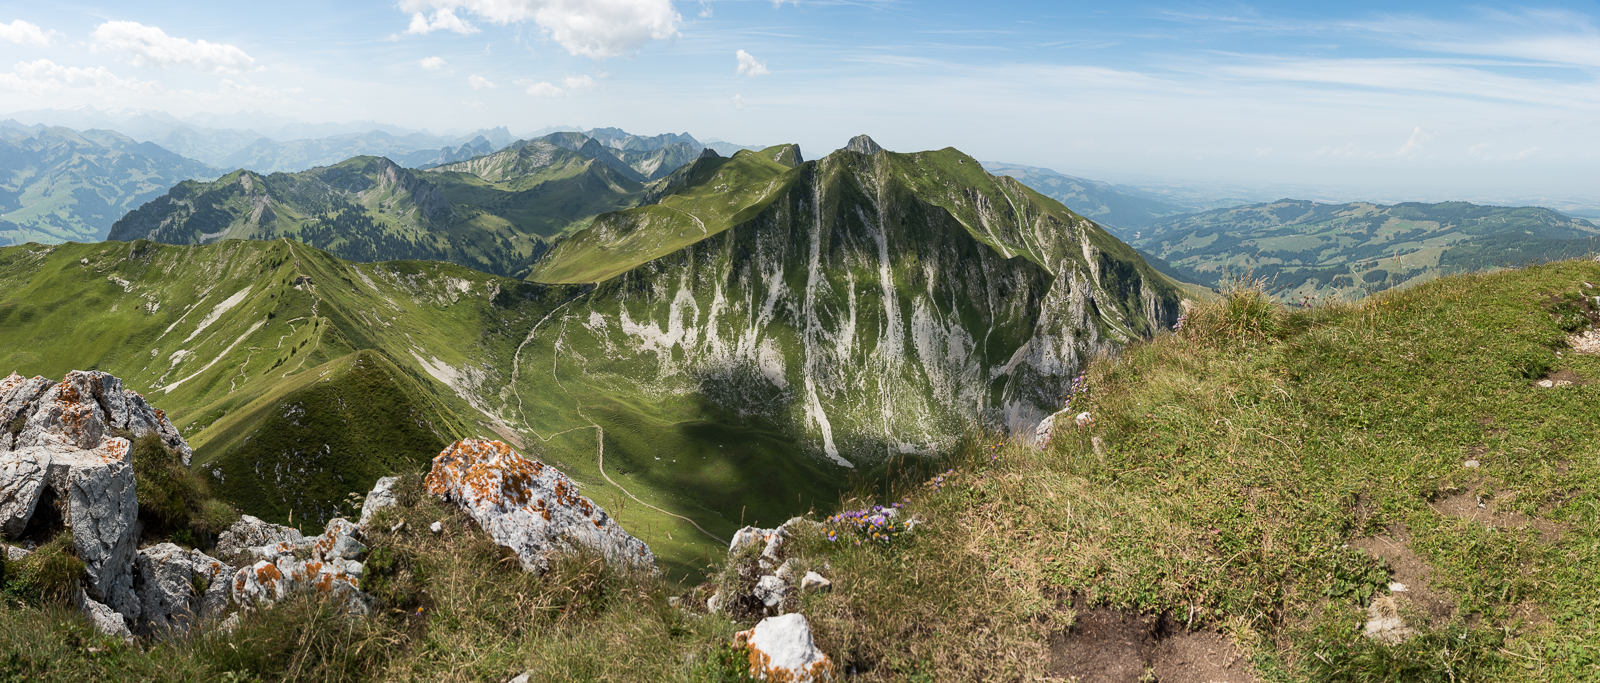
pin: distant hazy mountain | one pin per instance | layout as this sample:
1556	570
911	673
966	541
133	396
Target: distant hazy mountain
57	184
728	149
1307	248
496	212
1121	212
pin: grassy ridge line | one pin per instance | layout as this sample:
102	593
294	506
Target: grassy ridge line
1240	465
440	332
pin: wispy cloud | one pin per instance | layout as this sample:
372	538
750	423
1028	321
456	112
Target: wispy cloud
152	47
431	63
589	28
480	83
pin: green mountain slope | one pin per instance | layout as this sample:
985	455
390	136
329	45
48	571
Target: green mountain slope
57	184
833	316
497	212
873	303
371	209
1311	249
1122	213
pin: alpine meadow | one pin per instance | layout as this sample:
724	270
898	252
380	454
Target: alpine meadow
1156	343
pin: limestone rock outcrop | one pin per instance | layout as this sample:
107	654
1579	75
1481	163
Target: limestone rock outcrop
79	412
529	507
64	462
781	649
329	564
382	496
178	589
767	578
61	462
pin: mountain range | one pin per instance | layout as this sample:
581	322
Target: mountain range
1310	249
760	330
496	212
58	184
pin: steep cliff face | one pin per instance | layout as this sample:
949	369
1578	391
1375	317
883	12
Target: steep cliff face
875	302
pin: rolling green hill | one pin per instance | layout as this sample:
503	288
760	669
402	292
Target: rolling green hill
1311	249
832	316
57	184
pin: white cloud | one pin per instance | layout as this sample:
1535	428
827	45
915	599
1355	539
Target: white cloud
480	83
543	89
431	63
590	28
44	75
575	82
24	33
749	65
444	19
738	101
150	46
1415	143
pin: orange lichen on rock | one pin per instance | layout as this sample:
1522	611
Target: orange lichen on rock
268	573
525	505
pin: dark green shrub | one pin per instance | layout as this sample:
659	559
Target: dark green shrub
174	501
47	576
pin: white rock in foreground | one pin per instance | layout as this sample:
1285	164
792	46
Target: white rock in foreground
781	649
169	580
333	567
381	496
529	507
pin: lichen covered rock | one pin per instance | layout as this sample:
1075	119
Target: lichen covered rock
178	589
529	507
80	412
328	563
781	649
250	533
63	455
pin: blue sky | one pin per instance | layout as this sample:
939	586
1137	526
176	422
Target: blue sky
1388	100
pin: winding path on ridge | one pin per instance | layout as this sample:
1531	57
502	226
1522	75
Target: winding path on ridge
599	432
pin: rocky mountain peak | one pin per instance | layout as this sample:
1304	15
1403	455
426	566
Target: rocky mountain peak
863	144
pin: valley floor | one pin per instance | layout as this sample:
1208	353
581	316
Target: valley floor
1250	493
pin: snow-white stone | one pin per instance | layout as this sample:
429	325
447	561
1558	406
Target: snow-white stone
529	507
781	649
436	528
381	496
813	582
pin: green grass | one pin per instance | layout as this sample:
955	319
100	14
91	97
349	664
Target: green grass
1241	463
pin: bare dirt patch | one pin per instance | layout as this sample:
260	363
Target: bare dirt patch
1108	645
1562	378
1410	570
1494	511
